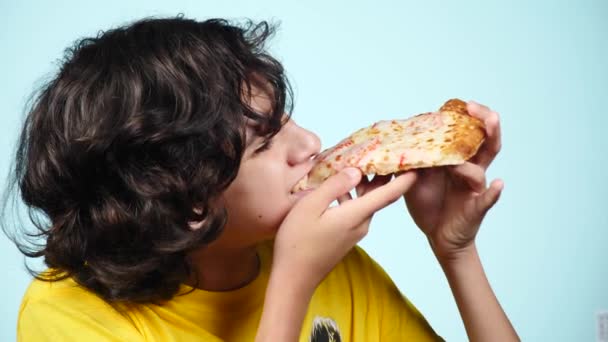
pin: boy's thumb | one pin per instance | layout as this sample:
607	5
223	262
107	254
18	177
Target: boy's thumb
486	200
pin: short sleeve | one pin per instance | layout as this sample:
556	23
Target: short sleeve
48	321
403	322
400	319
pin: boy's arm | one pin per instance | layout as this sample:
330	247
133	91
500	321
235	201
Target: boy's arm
448	204
482	315
311	240
285	302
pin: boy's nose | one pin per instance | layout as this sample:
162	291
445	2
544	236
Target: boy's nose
305	146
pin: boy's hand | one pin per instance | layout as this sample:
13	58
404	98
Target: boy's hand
449	203
313	238
362	188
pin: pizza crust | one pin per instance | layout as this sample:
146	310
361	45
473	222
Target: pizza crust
447	137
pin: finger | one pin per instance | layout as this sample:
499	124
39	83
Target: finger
485	201
474	175
354	212
492	145
335	186
478	110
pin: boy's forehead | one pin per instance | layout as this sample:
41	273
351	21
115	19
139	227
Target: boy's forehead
260	102
259	99
258	94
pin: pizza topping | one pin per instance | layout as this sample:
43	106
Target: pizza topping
447	137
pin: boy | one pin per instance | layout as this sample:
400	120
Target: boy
163	156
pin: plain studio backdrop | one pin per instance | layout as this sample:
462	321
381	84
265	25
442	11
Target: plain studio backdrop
542	65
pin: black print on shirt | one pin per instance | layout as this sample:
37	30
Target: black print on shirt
325	330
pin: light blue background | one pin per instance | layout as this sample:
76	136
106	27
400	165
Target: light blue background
543	65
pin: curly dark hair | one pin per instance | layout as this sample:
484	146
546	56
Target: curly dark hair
141	124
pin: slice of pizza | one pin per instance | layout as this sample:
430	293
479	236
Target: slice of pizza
447	137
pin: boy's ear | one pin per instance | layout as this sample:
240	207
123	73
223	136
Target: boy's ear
218	204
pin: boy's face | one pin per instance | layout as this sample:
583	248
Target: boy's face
260	197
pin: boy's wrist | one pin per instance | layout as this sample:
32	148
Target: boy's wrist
455	258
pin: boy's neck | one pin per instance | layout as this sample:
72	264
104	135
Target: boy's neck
225	269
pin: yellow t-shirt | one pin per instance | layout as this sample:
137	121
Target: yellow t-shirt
356	302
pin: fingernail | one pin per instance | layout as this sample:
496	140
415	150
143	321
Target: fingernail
352	172
499	184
